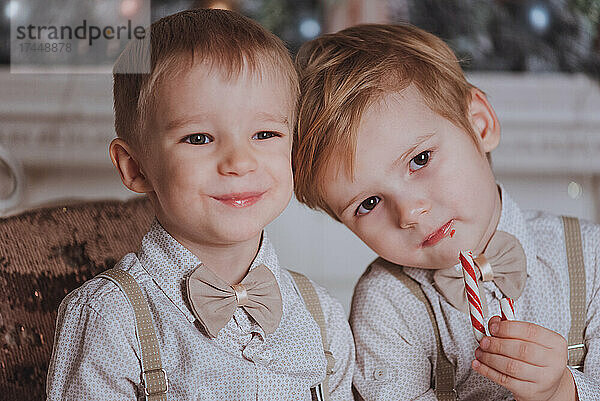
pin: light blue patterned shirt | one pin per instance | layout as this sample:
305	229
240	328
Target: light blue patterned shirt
395	343
96	354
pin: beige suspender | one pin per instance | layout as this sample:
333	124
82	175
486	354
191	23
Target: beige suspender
154	376
576	346
311	300
444	370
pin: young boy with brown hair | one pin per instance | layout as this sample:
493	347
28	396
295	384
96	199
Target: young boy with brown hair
207	136
391	140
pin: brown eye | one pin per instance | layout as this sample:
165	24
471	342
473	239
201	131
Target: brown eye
367	205
419	160
198	139
264	135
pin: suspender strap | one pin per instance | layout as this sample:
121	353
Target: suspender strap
576	346
444	370
154	376
311	300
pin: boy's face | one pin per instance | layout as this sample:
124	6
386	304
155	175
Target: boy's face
417	178
219	160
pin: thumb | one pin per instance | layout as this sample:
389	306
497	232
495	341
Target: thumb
494	319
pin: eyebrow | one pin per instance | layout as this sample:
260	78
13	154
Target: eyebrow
354	199
411	149
185	120
197	118
268	117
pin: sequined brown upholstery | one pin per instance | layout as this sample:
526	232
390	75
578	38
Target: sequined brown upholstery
44	254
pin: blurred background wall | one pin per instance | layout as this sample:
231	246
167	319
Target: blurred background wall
538	61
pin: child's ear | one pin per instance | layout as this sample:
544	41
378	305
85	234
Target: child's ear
128	167
484	121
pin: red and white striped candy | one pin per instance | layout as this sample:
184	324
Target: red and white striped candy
472	291
507	309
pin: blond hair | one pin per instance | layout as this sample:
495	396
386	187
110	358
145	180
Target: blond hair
343	73
219	38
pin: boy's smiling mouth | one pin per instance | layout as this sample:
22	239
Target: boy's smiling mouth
240	199
438	235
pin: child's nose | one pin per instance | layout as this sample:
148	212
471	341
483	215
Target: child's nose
238	159
410	211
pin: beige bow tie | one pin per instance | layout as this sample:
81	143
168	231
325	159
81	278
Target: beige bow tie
213	301
503	262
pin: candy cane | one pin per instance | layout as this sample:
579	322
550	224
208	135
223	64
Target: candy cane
507	308
472	291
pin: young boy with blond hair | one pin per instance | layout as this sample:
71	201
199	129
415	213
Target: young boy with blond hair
207	136
392	140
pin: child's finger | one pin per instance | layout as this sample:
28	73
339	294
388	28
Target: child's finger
510	383
525	351
511	367
494	319
524	331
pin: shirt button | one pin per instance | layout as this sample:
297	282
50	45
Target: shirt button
380	374
248	353
264	358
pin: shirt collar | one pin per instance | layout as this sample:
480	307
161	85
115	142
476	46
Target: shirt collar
168	262
511	221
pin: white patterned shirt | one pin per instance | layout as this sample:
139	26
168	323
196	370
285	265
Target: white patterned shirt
395	342
96	355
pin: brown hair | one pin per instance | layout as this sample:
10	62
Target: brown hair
343	73
220	38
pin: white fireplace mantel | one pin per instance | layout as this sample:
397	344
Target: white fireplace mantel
550	122
57	120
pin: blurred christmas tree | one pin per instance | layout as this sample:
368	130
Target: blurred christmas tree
514	35
294	21
499	35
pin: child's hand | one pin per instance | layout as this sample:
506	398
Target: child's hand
527	359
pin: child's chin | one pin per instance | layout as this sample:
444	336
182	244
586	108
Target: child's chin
241	234
449	261
437	266
433	262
